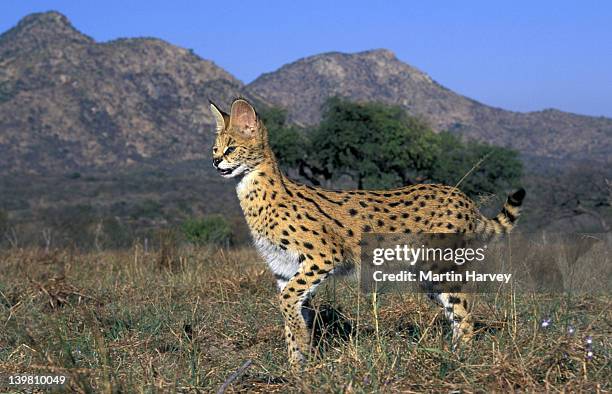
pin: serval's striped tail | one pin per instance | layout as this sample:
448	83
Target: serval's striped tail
506	219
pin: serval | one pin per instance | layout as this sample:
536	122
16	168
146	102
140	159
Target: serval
307	233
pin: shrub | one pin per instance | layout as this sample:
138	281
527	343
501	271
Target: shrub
213	230
146	209
4	224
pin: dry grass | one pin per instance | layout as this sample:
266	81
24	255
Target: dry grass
185	320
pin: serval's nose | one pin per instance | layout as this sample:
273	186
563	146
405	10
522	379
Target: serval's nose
216	162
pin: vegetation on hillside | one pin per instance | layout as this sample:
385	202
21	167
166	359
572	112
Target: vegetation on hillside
102	210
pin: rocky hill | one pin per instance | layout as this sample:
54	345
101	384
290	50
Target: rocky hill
378	75
68	102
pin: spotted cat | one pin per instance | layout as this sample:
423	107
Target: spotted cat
307	233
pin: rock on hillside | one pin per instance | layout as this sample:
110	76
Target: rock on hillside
67	102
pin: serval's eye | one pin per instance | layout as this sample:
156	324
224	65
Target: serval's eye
229	150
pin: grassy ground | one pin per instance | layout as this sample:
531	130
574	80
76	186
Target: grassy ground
186	320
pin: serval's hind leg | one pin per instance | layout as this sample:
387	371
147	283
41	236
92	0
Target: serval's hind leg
457	309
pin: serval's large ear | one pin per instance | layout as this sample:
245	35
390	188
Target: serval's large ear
243	118
221	117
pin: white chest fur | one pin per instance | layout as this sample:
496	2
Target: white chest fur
245	184
284	264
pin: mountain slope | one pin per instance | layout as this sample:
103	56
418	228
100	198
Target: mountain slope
67	102
70	103
379	76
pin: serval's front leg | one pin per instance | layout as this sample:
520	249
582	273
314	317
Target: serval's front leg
297	332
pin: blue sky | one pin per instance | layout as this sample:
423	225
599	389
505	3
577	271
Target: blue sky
518	55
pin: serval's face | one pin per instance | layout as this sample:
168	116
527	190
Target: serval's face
239	144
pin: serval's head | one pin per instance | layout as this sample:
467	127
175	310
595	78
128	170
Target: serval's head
240	145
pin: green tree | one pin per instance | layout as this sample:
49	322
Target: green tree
377	145
380	146
287	142
481	168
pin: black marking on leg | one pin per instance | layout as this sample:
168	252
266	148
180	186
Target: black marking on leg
454	300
